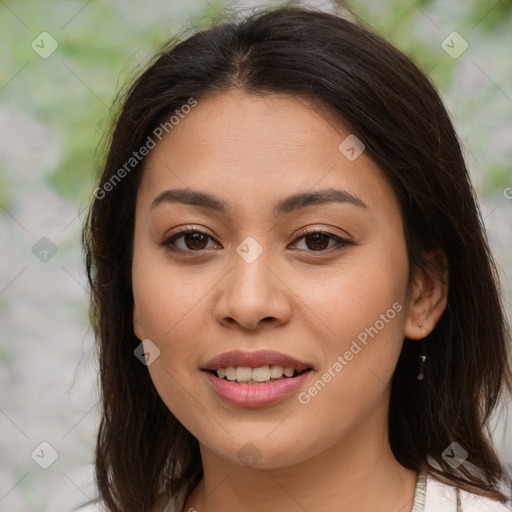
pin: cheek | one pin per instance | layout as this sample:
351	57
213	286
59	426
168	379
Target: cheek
357	296
171	318
362	313
167	296
354	383
168	304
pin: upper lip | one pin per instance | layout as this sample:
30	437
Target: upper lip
255	359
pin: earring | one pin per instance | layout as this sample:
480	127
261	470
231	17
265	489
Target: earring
423	358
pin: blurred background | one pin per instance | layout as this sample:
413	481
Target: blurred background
61	65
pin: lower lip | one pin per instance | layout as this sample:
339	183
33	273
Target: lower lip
255	395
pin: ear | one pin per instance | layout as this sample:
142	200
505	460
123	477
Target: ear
428	297
137	328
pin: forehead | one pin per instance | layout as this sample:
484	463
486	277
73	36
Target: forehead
251	147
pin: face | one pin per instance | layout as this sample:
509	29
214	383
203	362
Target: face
323	281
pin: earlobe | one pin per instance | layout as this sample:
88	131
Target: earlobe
429	296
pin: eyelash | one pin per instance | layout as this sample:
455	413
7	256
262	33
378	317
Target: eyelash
341	242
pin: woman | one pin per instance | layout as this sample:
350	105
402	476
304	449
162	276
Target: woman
293	297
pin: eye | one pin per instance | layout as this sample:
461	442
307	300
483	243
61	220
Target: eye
317	240
194	240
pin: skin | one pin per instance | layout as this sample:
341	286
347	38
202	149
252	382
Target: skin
332	453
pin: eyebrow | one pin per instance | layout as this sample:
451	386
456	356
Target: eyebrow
287	205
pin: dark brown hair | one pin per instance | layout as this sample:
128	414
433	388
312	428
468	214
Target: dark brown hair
143	453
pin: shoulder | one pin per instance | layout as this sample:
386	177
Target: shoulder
441	496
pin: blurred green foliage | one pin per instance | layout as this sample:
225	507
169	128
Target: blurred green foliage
102	44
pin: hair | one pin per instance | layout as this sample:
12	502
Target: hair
144	455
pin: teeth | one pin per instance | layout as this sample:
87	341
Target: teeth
230	373
243	373
288	372
276	371
260	374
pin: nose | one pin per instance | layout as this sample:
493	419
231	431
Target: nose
253	295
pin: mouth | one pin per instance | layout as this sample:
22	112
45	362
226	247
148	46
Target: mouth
260	375
256	379
255	367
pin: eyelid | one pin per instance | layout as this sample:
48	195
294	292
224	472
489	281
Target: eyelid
311	231
183	230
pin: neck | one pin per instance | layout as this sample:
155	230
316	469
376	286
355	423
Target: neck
357	474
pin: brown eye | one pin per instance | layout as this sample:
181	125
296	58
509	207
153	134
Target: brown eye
193	240
318	241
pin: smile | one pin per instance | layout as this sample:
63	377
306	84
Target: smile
260	375
255	379
255	394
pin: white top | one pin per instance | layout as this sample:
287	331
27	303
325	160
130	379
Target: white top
430	496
